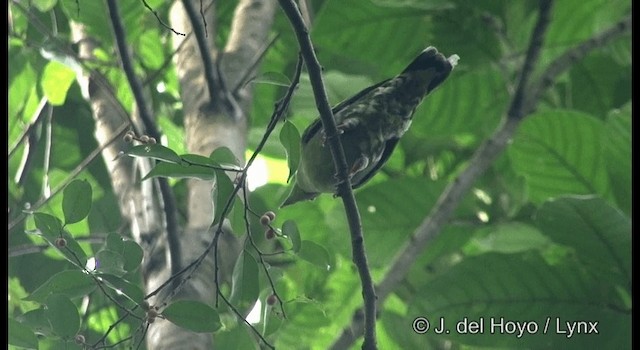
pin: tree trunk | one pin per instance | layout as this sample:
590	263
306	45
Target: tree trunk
207	127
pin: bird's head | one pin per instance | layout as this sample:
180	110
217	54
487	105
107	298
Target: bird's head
432	62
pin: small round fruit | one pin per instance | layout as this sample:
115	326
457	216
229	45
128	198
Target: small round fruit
269	233
271	215
61	242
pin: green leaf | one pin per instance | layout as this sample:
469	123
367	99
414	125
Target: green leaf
150	49
125	287
44	5
196	159
56	80
72	283
63	315
520	288
51	229
237	337
224	156
560	153
130	251
37	321
73	251
290	139
222	191
193	315
132	254
599	234
245	286
50	226
271	78
290	229
108	261
76	201
155	151
508	237
179	171
315	254
21	335
390	211
618	156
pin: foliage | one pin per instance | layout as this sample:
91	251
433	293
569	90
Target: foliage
542	239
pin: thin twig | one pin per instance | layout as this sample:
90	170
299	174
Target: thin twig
344	183
155	13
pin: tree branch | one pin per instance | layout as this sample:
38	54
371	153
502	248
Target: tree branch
168	199
567	59
344	183
454	193
218	95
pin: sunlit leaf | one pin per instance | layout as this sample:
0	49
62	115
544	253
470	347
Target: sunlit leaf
56	80
44	5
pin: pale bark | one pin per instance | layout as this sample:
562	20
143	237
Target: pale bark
206	128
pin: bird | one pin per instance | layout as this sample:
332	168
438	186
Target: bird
370	124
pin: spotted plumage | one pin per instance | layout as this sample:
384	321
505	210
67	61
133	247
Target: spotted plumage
370	124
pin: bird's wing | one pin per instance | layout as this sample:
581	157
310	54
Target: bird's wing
389	146
316	125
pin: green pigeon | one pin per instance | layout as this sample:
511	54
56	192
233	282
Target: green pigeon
370	124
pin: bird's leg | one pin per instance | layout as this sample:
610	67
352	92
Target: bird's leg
360	164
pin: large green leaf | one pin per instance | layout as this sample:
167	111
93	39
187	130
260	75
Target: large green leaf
599	234
560	152
390	211
467	103
193	315
494	289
